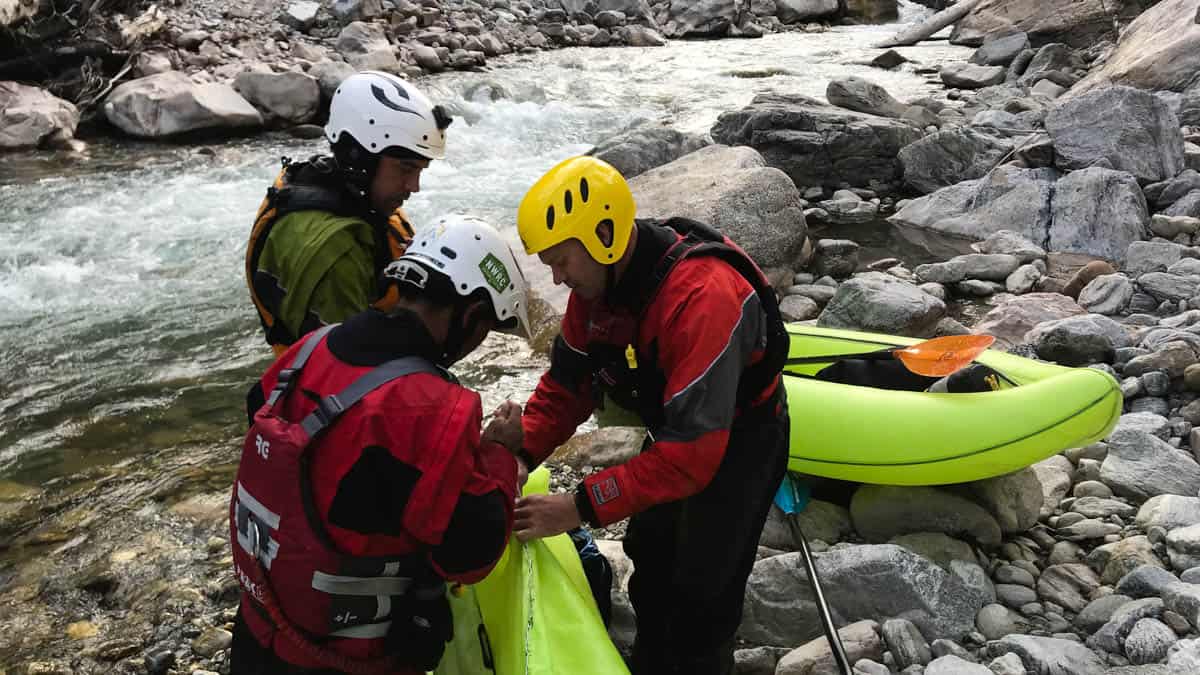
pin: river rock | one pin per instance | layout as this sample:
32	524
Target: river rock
974	209
862	95
732	190
1015	499
949	157
1167	192
905	642
1124	557
1155	425
1078	340
798	308
169	103
1098	212
365	46
30	117
860	640
701	18
1187	205
1108	294
1000	51
645	147
816	143
837	258
795	11
212	641
986	266
1068	585
820	520
1010	321
1143	257
1131	130
858	582
300	15
290	96
1050	655
876	301
1168	512
882	512
969	76
1155	52
1183	547
1111	636
1170	227
995	621
1023	280
604	447
1165	286
1147	581
1010	243
1099	611
955	665
1140	466
1078	23
1148	642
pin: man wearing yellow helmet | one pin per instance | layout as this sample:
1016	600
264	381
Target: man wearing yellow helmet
672	321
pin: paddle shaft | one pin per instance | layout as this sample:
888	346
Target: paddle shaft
831	634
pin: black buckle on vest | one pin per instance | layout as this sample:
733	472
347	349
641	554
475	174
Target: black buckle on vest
329	409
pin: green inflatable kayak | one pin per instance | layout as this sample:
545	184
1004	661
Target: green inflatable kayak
870	435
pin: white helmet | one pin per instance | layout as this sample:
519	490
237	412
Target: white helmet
382	111
473	255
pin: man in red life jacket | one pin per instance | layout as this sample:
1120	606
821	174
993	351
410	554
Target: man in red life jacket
674	322
364	482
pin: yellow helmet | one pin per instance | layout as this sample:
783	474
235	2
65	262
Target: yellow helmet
571	201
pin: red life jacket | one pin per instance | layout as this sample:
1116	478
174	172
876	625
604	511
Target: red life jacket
300	589
631	378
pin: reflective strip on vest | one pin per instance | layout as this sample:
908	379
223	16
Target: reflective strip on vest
365	586
250	514
367	631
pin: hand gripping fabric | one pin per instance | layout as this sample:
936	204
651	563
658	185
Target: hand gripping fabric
533	615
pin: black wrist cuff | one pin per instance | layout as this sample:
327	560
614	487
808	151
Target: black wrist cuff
587	513
524	456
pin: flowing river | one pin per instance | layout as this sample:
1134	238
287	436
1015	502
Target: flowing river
127	339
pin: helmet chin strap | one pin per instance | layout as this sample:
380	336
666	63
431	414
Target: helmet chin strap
457	333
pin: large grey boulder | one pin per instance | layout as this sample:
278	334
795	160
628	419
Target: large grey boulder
1107	294
1098	212
862	95
949	157
1189	105
793	11
365	46
1140	466
701	18
645	147
859	582
1143	257
1128	129
329	75
30	116
1159	51
734	191
289	96
1008	198
881	512
1011	320
1076	22
1078	340
875	301
1000	51
1187	205
815	143
170	103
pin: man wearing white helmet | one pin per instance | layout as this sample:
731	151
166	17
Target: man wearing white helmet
329	225
365	483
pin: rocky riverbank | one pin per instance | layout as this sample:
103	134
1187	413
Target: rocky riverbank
1066	157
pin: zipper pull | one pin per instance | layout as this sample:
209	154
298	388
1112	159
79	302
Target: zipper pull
631	357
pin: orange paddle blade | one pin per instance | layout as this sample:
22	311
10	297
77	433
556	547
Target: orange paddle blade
941	356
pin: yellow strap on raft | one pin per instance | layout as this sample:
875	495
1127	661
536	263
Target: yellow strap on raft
536	610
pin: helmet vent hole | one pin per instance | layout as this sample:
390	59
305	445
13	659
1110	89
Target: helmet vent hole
478	238
604	232
387	136
606	207
425	137
583	189
550	217
371	121
463	286
568	201
449	253
372	145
